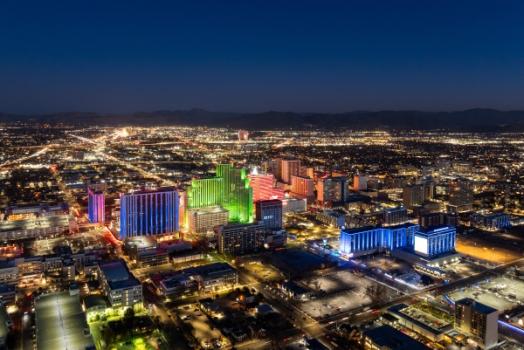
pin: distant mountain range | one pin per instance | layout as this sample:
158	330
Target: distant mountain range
481	120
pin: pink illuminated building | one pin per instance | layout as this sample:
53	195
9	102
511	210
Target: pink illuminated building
264	187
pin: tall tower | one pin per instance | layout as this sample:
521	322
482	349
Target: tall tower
238	194
96	206
149	213
206	192
230	189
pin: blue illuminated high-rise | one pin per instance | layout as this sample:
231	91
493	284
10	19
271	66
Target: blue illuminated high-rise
149	213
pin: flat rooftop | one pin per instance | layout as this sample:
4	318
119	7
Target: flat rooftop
388	337
37	223
61	324
115	271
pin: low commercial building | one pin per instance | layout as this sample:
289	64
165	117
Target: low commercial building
335	218
388	338
420	322
294	205
40	227
8	272
407	242
490	221
7	294
206	277
119	285
295	291
144	251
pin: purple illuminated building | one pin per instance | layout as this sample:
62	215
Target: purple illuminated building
96	206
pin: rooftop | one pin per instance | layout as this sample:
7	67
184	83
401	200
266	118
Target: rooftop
479	307
390	338
115	271
60	323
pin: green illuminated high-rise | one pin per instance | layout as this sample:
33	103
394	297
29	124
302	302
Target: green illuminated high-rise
206	192
229	189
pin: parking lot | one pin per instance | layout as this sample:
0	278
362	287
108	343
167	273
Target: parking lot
502	293
206	335
342	291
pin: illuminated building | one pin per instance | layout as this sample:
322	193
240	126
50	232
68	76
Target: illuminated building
238	195
206	192
360	182
275	167
394	216
243	135
335	218
294	205
211	277
96	206
438	219
490	221
149	212
477	320
264	187
332	189
413	195
460	197
240	239
290	167
119	285
203	220
366	240
230	189
435	241
269	213
303	187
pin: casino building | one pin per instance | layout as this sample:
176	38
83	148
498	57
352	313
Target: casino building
146	213
408	237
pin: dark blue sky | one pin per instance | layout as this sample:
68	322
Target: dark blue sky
124	56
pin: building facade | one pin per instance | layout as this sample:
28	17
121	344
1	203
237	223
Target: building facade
119	286
204	220
269	213
435	241
370	239
149	213
96	207
477	320
240	239
332	189
303	186
264	187
230	189
290	167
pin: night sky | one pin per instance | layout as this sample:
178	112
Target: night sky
305	56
